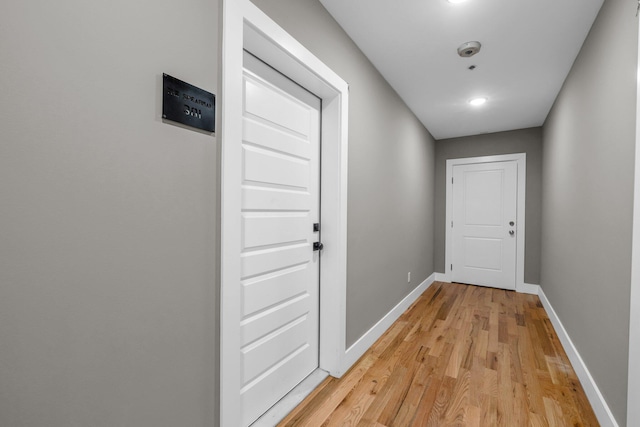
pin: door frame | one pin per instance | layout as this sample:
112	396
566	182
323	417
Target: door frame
633	375
245	27
521	160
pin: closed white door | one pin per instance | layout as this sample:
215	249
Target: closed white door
279	268
484	224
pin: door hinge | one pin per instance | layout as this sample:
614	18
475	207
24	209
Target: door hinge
451	267
452	180
451	224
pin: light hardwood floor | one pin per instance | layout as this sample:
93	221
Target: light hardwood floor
459	356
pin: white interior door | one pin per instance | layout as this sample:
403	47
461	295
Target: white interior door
484	224
279	268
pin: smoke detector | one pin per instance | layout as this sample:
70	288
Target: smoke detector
468	49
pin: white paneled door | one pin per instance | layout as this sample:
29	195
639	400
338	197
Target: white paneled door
484	224
279	268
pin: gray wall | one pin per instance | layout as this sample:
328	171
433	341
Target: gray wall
588	158
108	216
390	205
527	141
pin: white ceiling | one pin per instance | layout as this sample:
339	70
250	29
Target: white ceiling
528	47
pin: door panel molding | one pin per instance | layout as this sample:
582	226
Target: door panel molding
245	27
280	340
521	160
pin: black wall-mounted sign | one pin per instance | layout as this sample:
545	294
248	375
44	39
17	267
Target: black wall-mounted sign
187	104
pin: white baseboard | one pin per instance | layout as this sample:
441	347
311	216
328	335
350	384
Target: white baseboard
599	405
365	342
442	277
527	288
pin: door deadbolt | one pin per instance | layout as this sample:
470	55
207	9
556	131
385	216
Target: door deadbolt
511	223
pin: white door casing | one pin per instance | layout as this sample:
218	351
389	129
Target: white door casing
279	268
519	160
484	224
633	387
245	27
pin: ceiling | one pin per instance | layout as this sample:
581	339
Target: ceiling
528	47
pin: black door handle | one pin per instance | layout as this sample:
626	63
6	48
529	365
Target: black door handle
317	246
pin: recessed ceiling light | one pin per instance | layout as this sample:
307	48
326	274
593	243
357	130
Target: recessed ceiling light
476	102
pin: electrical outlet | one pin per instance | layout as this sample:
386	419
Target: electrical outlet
409	277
